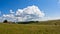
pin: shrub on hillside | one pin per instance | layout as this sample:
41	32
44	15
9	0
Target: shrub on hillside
5	21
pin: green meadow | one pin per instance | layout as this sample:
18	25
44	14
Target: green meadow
29	29
47	27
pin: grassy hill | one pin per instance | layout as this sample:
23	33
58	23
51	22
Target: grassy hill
50	22
45	27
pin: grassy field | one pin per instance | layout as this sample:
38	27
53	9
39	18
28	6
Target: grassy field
29	29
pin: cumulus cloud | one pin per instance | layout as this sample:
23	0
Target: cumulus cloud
26	14
8	15
11	11
30	10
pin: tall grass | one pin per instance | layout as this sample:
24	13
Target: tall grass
29	29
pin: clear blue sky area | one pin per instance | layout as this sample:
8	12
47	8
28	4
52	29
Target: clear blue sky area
51	8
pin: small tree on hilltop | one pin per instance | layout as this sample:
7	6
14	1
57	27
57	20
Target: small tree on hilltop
5	21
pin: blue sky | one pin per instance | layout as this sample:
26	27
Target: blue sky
51	8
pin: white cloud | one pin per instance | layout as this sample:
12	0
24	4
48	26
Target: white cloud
19	12
27	14
34	10
30	10
30	13
8	15
11	11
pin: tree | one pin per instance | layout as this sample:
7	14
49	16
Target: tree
5	21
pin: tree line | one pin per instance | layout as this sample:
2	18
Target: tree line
29	22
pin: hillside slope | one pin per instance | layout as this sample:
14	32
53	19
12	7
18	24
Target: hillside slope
50	22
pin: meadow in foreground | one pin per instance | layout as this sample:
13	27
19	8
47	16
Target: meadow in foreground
29	29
